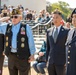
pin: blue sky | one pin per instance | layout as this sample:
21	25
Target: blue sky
72	3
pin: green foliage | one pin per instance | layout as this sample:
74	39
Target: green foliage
61	6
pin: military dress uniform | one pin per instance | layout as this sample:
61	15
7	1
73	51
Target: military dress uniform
71	51
71	54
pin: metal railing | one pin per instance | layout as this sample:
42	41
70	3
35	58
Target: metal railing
40	28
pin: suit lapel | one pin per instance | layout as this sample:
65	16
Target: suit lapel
51	33
74	38
69	38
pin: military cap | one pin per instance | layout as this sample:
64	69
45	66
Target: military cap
15	12
73	12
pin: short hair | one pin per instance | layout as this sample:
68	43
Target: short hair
57	12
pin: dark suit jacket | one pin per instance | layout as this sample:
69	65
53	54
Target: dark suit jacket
71	54
56	51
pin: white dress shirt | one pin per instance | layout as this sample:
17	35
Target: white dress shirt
55	29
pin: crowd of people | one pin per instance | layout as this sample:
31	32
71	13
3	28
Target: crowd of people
57	53
26	13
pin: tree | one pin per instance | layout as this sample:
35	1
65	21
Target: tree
48	6
61	6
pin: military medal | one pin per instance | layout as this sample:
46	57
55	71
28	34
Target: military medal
22	39
6	38
62	29
23	30
22	45
6	44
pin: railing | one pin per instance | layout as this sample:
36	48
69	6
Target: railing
39	33
30	22
40	28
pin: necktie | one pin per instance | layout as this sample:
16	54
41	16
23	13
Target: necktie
55	34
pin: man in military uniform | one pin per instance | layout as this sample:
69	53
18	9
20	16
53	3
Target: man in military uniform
71	48
19	45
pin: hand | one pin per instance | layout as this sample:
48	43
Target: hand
31	58
4	19
41	53
47	64
65	65
3	53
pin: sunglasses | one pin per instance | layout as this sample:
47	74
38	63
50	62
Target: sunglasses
14	17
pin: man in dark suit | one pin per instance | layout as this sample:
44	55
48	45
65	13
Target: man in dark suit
56	38
71	47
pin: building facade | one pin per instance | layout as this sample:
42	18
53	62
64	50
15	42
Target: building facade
30	4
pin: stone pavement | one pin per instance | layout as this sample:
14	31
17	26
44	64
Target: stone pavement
5	71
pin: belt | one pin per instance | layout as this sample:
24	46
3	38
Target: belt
13	53
14	48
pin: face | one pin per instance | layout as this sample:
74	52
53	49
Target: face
57	19
74	20
15	19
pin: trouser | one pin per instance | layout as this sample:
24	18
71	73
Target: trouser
56	69
17	66
39	67
1	63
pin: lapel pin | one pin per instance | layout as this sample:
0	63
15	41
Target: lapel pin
62	29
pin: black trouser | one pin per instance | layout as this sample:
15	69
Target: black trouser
16	65
56	69
1	63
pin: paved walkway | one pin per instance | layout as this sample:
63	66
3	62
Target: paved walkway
5	71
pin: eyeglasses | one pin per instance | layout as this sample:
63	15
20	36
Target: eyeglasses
14	17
